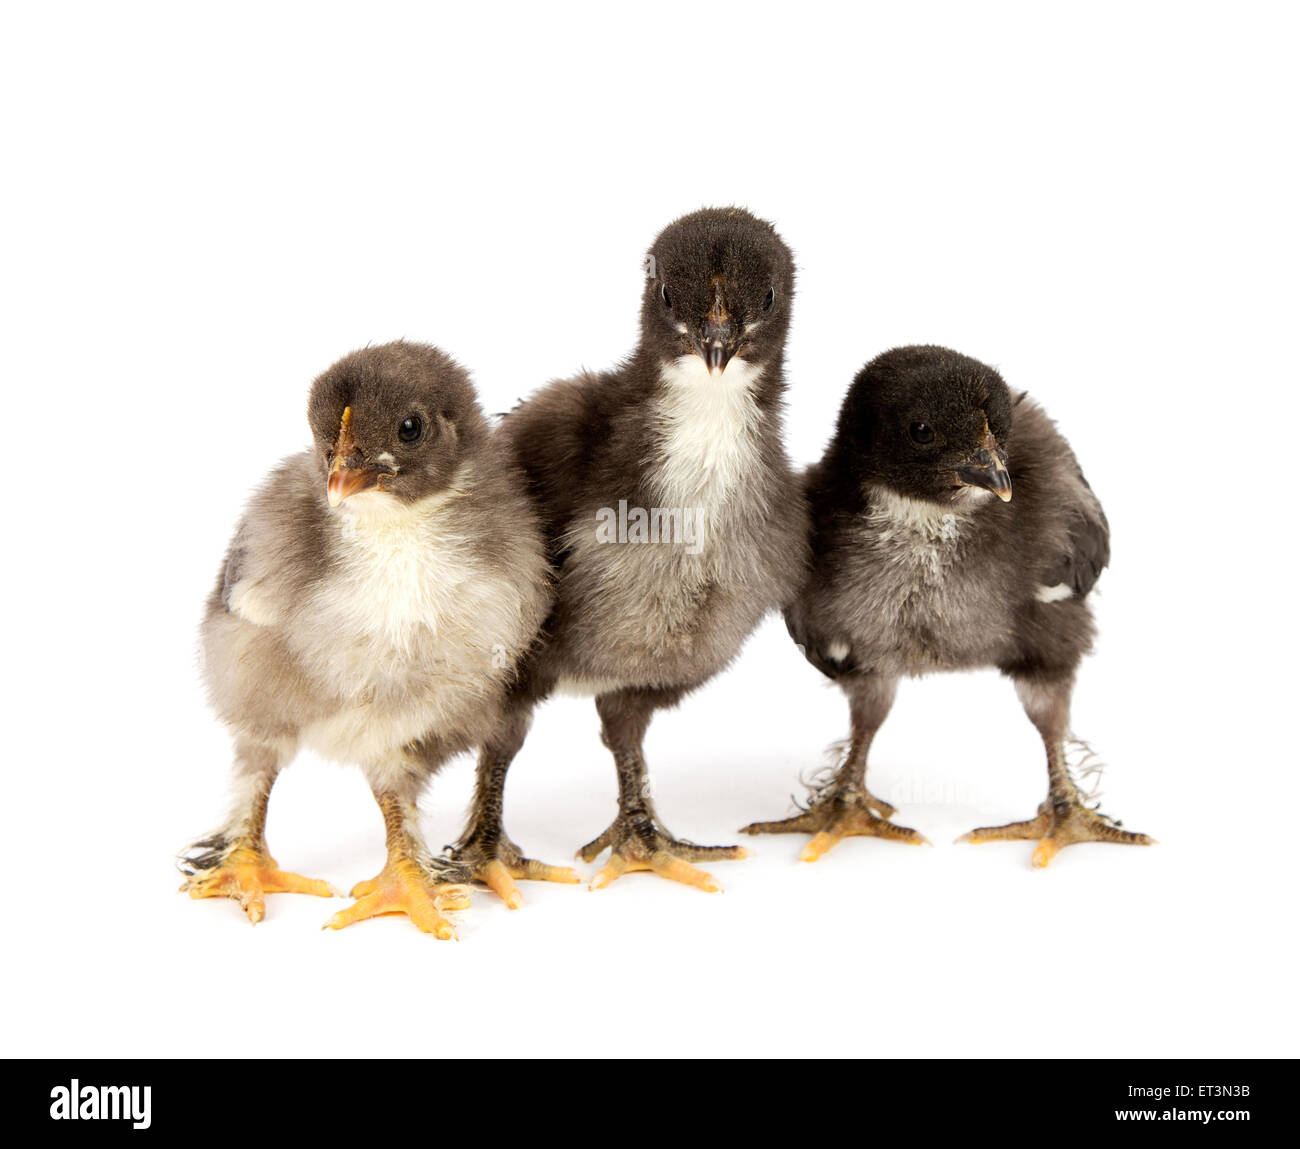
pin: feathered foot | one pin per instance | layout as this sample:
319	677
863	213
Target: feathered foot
836	814
404	886
498	865
641	844
246	873
1058	825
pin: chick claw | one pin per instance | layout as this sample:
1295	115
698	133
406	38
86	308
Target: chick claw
1057	827
403	887
498	866
247	875
634	848
849	813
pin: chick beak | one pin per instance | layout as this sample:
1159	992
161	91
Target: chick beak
716	355
346	481
988	468
346	476
716	344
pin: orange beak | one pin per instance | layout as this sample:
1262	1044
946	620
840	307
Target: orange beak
346	479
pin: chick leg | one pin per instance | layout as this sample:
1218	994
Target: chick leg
636	839
234	862
844	807
1063	819
412	881
484	851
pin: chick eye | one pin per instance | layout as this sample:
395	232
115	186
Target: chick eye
769	299
922	432
663	294
410	429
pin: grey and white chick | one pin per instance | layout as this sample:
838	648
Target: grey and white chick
673	517
923	561
377	598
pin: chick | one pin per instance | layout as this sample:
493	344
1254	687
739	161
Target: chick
923	561
673	517
379	593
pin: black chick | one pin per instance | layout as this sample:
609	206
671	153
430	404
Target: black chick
923	561
380	591
673	516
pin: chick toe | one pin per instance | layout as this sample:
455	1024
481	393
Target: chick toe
403	887
1058	825
836	814
642	845
246	875
500	864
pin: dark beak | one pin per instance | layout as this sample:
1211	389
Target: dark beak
716	347
348	476
988	468
717	340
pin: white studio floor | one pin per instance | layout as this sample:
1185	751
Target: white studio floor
1169	951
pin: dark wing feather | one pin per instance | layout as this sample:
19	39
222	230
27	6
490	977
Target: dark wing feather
1088	541
813	645
833	495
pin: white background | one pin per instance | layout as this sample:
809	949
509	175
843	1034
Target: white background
204	208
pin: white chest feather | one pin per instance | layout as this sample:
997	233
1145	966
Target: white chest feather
922	539
402	628
400	569
708	434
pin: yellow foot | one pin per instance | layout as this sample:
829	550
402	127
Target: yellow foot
850	812
639	844
404	887
248	874
498	866
1057	827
